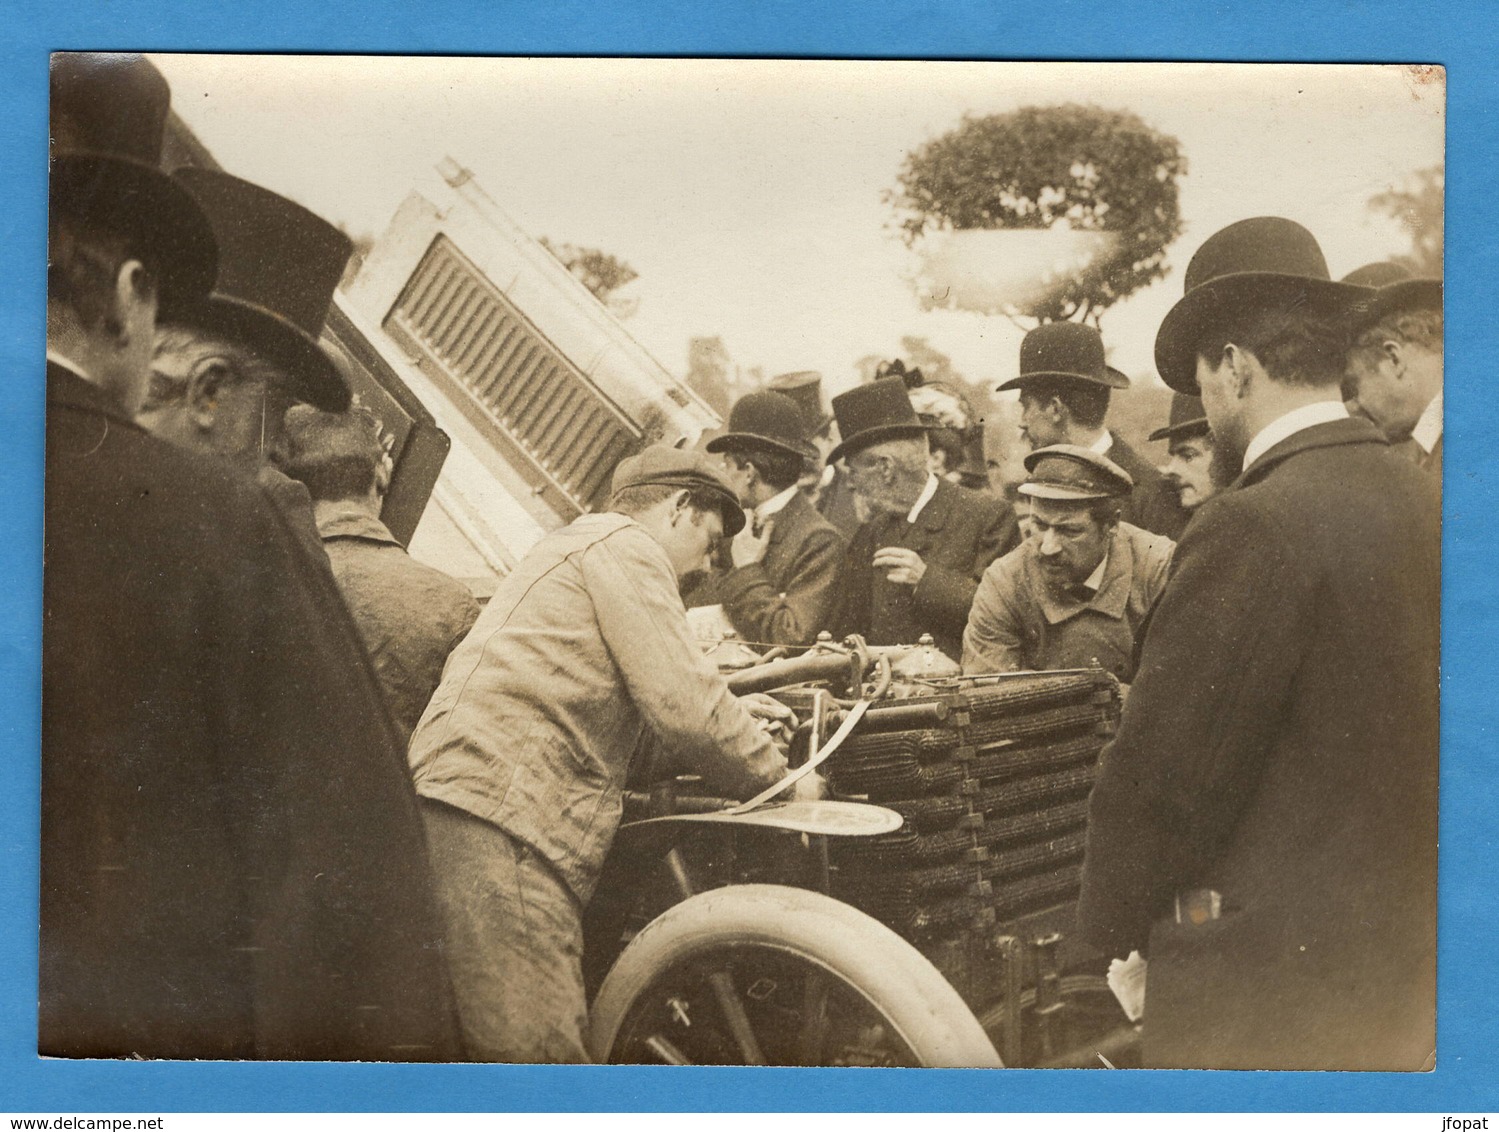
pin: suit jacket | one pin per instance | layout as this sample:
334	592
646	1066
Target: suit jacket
1019	623
1152	506
1279	747
787	598
958	533
232	863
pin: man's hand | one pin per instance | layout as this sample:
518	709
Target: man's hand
749	548
772	715
905	566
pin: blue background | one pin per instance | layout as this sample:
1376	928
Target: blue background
1460	36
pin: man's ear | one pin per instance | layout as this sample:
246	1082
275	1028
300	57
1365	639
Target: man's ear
134	290
210	377
679	506
1394	353
1240	371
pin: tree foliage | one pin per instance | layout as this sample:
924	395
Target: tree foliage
597	270
1418	206
1042	167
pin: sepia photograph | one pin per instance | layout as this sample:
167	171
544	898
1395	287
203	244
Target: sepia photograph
757	562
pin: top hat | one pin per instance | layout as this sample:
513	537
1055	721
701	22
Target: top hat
1064	351
680	467
1187	419
1262	263
1071	473
805	388
872	413
279	265
975	462
1394	288
108	112
765	419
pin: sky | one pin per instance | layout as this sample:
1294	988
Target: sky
749	194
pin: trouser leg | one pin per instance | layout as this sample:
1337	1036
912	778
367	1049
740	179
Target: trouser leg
515	942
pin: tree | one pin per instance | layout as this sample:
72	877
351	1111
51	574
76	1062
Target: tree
710	371
600	272
1418	206
1062	169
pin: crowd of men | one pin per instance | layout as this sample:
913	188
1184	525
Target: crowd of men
302	798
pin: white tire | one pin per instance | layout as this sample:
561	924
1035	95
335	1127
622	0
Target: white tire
892	978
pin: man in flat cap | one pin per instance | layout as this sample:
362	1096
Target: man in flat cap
1264	825
1075	593
520	759
1395	362
780	587
410	616
1065	384
1191	469
232	864
225	370
914	566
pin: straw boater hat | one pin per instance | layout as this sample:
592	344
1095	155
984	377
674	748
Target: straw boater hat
873	413
1187	419
1265	263
677	467
1064	351
1072	474
1392	288
107	116
768	421
279	265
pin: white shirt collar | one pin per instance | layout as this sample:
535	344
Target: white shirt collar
68	364
1428	429
1318	412
1095	580
775	503
924	498
1102	445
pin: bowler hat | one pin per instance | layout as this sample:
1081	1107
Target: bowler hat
1264	263
278	267
1069	472
1064	351
107	116
1394	288
678	467
805	388
873	413
766	420
1187	419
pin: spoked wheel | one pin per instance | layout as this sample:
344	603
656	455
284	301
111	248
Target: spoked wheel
768	975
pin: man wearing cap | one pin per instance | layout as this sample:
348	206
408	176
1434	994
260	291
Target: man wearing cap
1064	385
914	566
409	615
226	370
1394	367
232	864
1190	469
1264	825
780	587
1076	592
521	756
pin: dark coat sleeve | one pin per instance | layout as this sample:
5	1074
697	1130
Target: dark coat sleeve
1218	663
855	585
945	593
795	617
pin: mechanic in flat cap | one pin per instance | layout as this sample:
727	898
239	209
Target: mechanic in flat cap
521	757
1075	593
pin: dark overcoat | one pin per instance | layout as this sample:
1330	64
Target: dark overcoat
232	863
958	533
1153	505
787	598
1279	747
